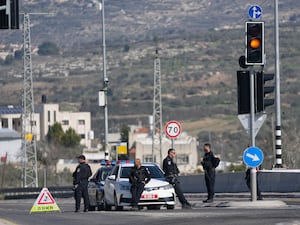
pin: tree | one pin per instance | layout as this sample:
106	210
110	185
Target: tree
48	48
124	131
55	133
70	138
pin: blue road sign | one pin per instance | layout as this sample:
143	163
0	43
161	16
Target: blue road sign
253	156
255	12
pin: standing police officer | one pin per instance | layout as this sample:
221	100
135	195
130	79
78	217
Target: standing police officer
80	182
171	173
139	176
208	164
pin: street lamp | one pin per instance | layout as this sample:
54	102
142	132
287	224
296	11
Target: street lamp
103	92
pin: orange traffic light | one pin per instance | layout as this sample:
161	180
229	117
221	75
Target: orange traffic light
254	43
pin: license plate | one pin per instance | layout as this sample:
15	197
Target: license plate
150	196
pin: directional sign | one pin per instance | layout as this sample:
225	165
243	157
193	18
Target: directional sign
173	129
255	12
253	156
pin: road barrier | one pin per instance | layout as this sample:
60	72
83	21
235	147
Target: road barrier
278	181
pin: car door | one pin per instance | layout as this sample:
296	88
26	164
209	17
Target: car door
110	184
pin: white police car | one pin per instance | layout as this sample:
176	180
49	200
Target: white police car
158	192
96	184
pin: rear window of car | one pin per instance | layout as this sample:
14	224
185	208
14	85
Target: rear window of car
154	171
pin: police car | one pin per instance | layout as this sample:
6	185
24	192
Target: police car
157	193
96	184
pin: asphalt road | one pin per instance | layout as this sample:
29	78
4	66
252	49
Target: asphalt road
17	212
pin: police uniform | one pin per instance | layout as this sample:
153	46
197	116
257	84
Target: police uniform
171	173
80	182
138	178
210	175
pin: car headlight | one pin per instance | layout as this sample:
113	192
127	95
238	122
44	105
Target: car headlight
124	187
166	187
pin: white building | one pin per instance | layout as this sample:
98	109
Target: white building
185	146
45	116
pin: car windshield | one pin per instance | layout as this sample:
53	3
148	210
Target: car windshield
154	171
102	173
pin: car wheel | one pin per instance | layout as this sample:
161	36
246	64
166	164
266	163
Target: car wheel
170	206
153	207
100	206
106	206
118	208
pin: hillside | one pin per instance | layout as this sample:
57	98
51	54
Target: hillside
199	44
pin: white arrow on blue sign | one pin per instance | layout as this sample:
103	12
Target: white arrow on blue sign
253	156
255	12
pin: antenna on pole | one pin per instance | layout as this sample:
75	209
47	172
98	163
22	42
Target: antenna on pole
157	109
29	163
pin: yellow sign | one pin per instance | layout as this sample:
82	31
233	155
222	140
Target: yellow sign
122	148
44	202
28	137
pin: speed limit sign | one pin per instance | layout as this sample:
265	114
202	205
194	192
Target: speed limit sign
173	129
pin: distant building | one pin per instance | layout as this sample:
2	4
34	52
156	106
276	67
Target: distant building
79	121
45	116
10	145
140	145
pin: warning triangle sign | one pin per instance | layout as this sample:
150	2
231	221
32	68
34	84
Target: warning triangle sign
44	202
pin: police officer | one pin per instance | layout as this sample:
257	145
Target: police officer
210	173
80	182
171	173
139	176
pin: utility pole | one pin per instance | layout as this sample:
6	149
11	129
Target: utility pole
157	109
30	177
105	84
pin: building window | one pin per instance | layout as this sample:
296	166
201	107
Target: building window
182	159
49	115
82	136
65	122
54	116
148	158
81	122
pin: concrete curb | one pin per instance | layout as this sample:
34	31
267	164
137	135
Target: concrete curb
253	204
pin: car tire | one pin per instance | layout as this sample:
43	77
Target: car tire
153	207
106	206
100	206
118	208
170	207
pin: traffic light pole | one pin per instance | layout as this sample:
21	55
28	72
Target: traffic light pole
252	133
278	163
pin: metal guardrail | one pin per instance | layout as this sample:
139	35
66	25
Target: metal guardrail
31	193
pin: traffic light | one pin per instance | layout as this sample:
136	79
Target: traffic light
9	14
243	84
262	91
254	43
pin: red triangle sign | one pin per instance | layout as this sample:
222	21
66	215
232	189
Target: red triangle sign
45	198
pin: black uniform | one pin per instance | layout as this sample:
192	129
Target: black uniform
210	174
80	181
138	178
171	173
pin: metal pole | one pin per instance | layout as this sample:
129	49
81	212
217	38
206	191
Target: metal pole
252	134
278	163
105	86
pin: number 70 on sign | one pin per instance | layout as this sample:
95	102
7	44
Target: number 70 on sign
173	129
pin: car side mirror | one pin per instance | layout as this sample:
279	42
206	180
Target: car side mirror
111	177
